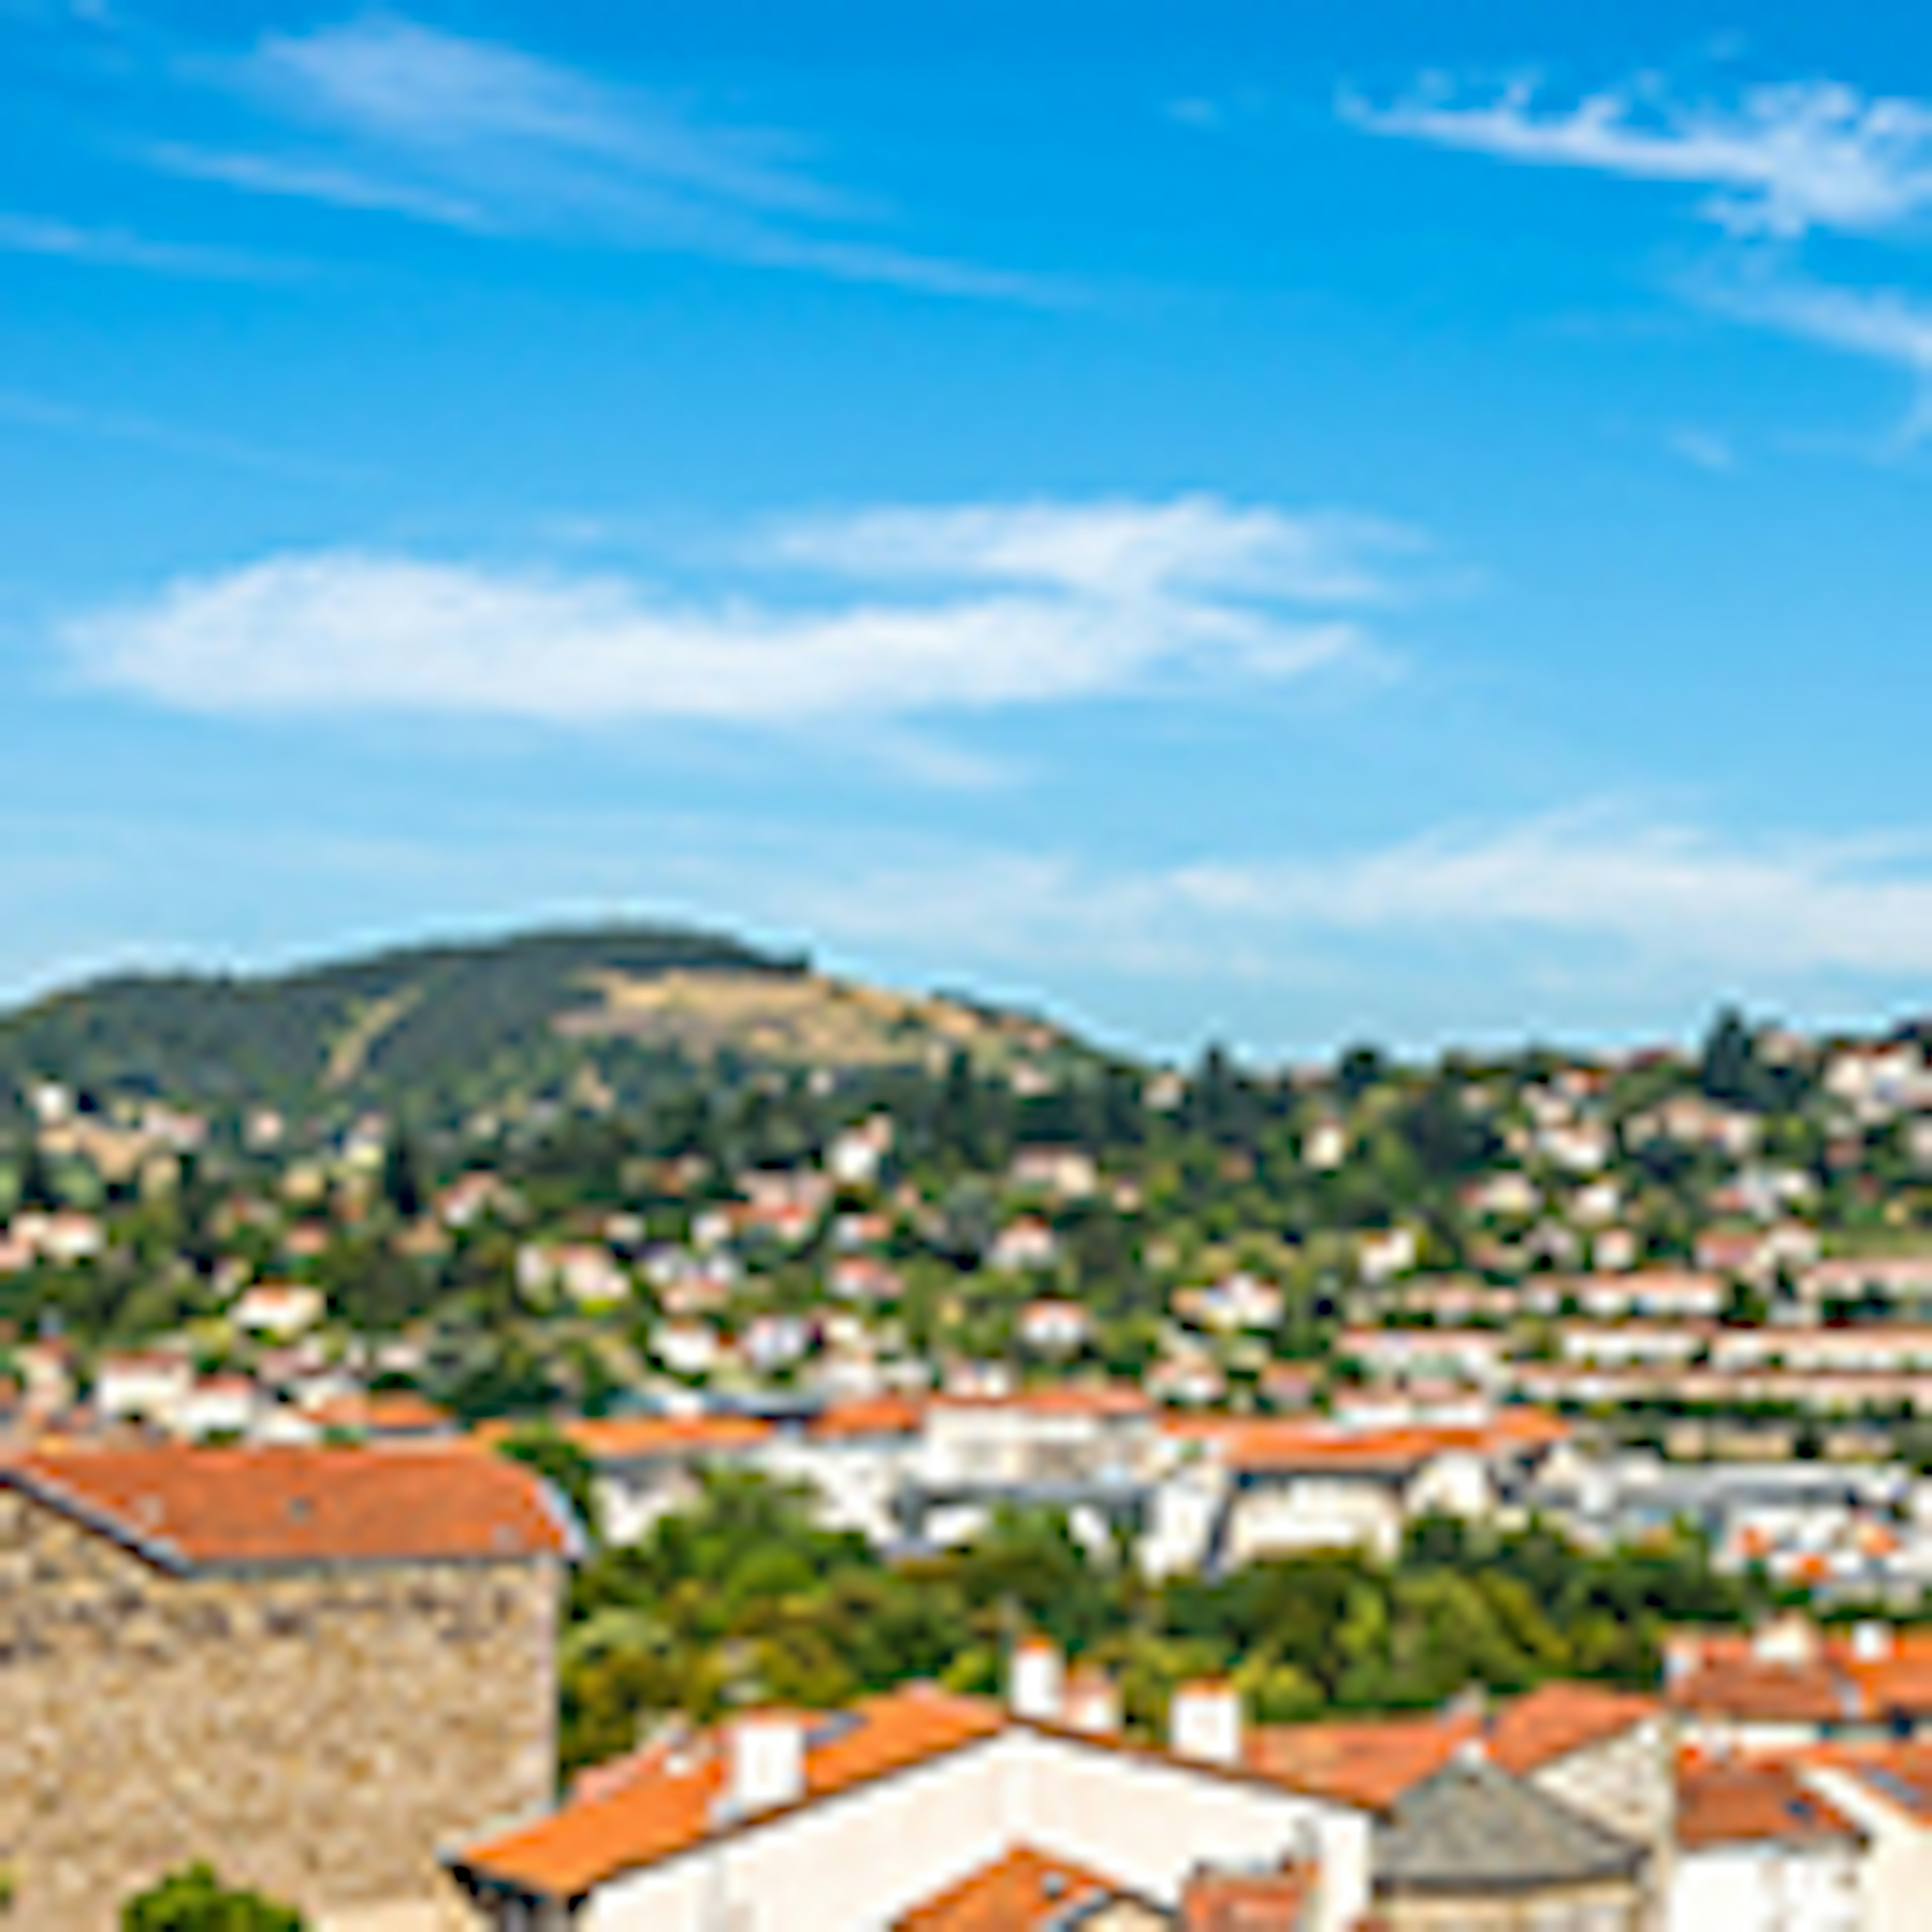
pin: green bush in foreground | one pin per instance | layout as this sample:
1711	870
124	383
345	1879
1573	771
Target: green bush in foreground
193	1900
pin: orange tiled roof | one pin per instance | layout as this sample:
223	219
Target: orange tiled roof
1832	1684
385	1411
1246	1901
1809	1693
585	1844
1557	1719
620	1439
1900	1683
1372	1761
1024	1892
1369	1763
874	1415
1899	1773
186	1508
1756	1800
1296	1444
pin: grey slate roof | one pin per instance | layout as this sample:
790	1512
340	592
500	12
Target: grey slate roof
1472	1828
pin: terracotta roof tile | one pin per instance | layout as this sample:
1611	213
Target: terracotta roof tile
188	1507
1024	1892
874	1415
1899	1773
620	1439
1370	1763
1291	1444
1766	1692
1755	1801
1557	1719
1246	1901
385	1411
583	1845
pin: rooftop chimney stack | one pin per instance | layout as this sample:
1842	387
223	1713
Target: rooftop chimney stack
1093	1704
1871	1642
1036	1681
765	1762
1204	1722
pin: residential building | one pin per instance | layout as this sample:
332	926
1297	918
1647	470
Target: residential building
312	1665
792	1822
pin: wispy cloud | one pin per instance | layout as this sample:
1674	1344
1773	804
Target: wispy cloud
385	114
892	613
1779	161
1705	449
1779	164
1883	325
49	412
119	248
1617	895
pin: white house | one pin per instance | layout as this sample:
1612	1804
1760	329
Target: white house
144	1386
790	1821
1054	1327
277	1310
1027	1243
1760	1849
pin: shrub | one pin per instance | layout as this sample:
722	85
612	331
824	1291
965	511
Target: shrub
193	1900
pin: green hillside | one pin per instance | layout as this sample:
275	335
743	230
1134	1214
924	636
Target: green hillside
445	1027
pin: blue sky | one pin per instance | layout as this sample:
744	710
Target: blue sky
1283	523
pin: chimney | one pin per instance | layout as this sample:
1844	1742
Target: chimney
1871	1642
1204	1722
764	1762
1790	1639
1036	1681
1093	1704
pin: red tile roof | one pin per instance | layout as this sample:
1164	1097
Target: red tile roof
871	1415
621	1439
584	1845
1295	1443
1556	1720
1024	1892
1900	1773
1370	1763
1831	1683
190	1508
384	1412
1754	1800
1247	1901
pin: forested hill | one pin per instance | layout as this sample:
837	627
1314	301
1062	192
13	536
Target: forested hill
435	1029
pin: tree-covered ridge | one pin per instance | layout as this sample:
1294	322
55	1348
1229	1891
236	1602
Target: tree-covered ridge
433	1031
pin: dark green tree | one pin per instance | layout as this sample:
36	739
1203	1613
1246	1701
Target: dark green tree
402	1175
193	1900
1360	1068
561	1464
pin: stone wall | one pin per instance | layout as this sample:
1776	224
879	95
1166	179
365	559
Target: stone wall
317	1734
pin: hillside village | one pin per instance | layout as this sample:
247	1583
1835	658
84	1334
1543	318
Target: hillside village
1219	1490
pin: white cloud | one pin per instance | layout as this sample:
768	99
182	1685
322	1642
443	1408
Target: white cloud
1780	161
383	114
474	104
1705	449
1619	897
118	248
1883	325
927	610
1672	891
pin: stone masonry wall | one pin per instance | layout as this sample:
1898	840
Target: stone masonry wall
316	1734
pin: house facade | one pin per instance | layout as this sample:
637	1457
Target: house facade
312	1665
